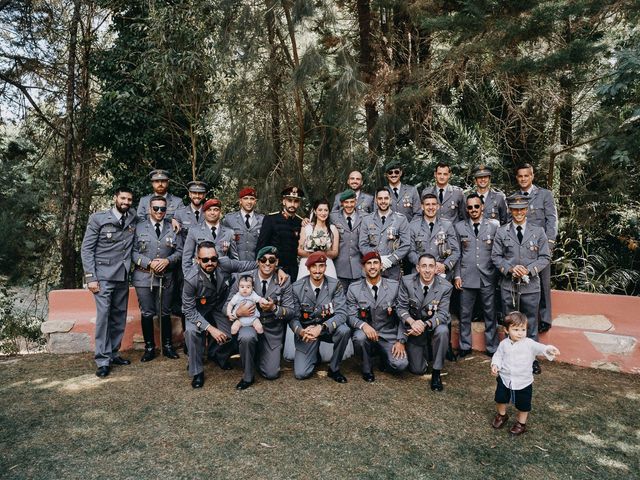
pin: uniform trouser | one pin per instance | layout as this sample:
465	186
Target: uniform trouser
468	298
417	349
307	353
365	349
545	295
195	341
147	299
111	319
529	304
254	346
221	353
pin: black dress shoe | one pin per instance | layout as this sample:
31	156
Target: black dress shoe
464	353
169	352
451	356
544	327
149	354
198	380
536	368
369	377
436	383
243	385
120	361
489	354
103	371
223	366
337	376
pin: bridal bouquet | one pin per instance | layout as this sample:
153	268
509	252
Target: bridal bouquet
317	241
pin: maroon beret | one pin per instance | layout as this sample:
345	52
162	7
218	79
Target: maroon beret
316	257
247	192
212	202
370	256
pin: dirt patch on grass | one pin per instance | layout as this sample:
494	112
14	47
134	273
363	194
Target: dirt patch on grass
145	421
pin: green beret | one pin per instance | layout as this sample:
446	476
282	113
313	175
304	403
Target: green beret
347	194
392	164
265	250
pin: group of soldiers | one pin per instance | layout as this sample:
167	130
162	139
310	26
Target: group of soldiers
401	257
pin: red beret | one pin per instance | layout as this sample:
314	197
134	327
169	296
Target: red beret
316	257
247	192
370	256
213	202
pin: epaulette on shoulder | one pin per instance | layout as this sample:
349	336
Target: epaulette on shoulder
400	214
273	213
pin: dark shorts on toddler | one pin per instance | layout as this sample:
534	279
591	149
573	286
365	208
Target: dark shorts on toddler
520	398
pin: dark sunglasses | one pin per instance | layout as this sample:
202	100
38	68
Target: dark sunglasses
270	260
397	171
208	259
473	207
156	208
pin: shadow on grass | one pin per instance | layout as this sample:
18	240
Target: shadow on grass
145	421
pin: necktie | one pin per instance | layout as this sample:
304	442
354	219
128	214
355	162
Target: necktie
264	288
158	230
520	236
475	228
123	219
526	194
441	195
482	197
212	277
349	222
383	218
425	289
197	214
375	292
246	220
431	227
213	232
317	293
395	191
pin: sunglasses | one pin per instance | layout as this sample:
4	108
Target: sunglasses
155	208
270	260
397	171
208	259
473	207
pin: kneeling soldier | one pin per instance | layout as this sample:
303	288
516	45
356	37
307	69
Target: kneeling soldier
323	317
423	306
157	251
372	314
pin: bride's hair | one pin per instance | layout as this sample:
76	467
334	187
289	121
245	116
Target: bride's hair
312	216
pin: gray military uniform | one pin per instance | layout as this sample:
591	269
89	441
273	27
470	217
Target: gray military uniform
202	305
186	217
328	309
542	213
441	242
364	203
391	238
407	202
382	316
453	205
478	275
225	246
146	247
246	239
106	258
495	206
433	307
173	205
347	263
267	348
534	254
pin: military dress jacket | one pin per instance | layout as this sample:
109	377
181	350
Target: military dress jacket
442	242
495	206
364	203
225	246
542	211
453	205
106	247
202	299
475	267
147	246
282	233
328	309
347	262
407	202
381	314
173	205
246	239
186	217
532	253
413	303
391	238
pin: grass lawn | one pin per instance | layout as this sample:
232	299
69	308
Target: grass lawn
59	421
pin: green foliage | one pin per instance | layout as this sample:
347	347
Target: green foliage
17	328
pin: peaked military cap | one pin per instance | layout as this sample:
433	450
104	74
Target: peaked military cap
517	200
293	192
159	175
482	171
197	187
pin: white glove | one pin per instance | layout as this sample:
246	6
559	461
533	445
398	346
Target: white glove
386	262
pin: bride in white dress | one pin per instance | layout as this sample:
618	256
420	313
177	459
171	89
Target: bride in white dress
318	234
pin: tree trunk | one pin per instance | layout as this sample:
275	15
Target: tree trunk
367	67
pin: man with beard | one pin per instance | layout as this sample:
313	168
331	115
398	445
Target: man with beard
160	185
403	198
106	260
322	306
493	201
423	306
450	198
386	232
246	224
364	201
371	313
282	230
347	220
279	310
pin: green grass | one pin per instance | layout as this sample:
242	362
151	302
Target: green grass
57	420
